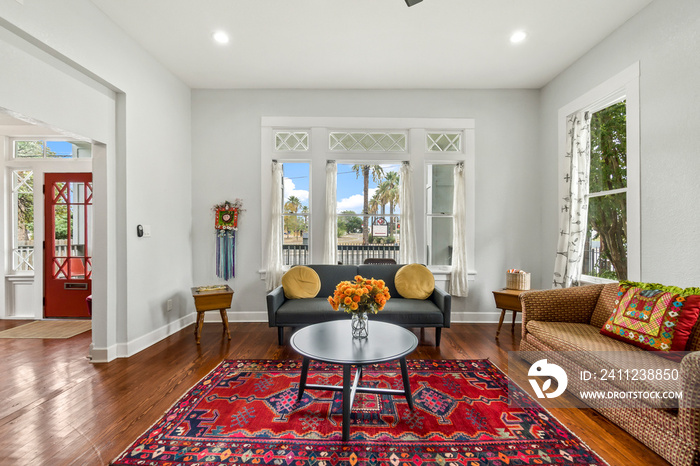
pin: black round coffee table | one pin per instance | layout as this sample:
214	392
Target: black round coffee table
332	342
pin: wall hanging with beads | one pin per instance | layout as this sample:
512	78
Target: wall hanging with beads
226	224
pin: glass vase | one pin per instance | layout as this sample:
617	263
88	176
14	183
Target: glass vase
360	327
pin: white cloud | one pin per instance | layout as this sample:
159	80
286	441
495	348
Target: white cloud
354	202
290	190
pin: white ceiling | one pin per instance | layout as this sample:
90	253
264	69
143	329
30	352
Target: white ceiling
11	125
368	44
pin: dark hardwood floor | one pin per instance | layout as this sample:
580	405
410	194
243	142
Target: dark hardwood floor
60	409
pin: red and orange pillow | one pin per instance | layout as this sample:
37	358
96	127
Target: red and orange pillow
653	317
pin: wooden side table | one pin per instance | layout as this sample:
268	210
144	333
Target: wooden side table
211	300
507	300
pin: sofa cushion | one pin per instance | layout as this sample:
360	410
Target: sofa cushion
605	305
587	348
298	312
414	281
331	275
565	336
652	317
385	272
301	282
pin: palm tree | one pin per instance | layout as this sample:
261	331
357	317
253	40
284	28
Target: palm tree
389	190
377	174
374	206
291	207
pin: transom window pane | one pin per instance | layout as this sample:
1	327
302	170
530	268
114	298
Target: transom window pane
444	142
294	141
296	213
362	141
52	149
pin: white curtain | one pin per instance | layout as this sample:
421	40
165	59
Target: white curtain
330	245
460	274
273	275
407	247
573	212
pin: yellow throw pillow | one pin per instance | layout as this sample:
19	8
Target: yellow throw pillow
301	282
414	281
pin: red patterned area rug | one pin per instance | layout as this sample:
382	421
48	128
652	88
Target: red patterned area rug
245	413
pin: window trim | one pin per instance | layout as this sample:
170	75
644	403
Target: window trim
622	86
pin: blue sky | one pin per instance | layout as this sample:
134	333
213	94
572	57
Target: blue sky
296	183
61	148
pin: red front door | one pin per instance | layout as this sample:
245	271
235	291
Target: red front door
67	249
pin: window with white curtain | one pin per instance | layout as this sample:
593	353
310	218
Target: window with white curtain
612	248
432	147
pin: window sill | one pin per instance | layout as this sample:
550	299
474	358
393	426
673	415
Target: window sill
591	280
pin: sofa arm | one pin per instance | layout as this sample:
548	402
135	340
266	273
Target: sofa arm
575	304
443	301
689	405
275	299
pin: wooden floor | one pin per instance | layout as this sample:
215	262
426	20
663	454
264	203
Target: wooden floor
58	409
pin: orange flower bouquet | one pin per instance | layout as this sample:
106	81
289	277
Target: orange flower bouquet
360	295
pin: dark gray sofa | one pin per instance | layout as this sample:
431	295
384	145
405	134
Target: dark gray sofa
432	312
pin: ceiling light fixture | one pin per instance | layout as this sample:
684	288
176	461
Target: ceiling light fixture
412	2
221	37
517	37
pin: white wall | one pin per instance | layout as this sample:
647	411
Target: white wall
664	39
147	160
226	165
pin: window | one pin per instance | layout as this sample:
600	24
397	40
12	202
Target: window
605	252
369	214
49	149
296	213
612	248
439	213
374	149
22	221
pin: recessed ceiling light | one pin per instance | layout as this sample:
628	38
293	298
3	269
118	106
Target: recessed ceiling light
221	37
518	36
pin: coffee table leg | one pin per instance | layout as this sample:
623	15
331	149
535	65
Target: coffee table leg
302	379
406	385
346	402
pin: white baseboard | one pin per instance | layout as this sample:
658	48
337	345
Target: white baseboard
490	317
260	316
124	350
100	355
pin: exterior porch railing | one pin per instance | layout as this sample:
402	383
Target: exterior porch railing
352	254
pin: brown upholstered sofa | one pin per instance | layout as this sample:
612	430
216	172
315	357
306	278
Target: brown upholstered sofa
566	324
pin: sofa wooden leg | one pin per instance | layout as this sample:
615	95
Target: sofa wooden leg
438	334
280	335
